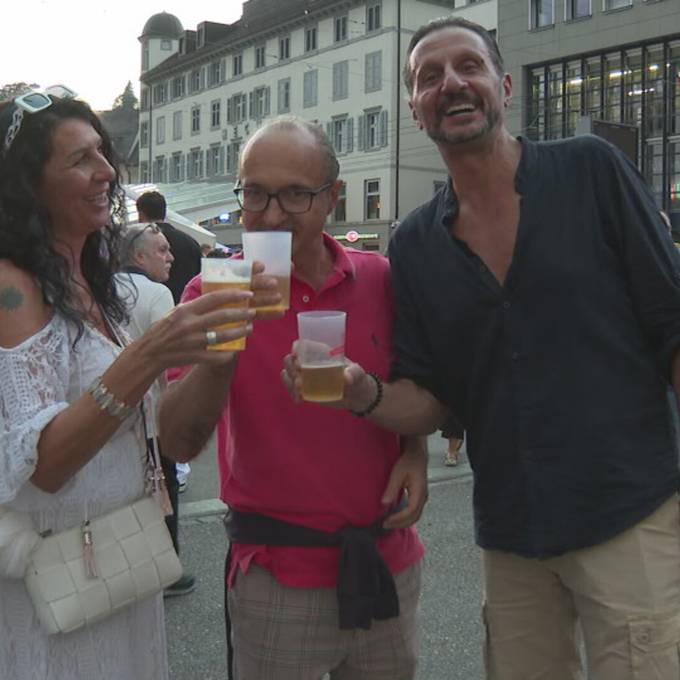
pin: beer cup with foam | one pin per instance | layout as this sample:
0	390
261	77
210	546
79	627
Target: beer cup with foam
321	354
272	248
219	273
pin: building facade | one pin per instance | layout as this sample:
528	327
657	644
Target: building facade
609	66
336	62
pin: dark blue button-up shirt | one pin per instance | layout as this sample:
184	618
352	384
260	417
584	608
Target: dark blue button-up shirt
560	376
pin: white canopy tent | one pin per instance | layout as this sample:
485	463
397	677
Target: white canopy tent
190	202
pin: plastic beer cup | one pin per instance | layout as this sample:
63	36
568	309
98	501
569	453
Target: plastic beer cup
219	273
273	249
321	353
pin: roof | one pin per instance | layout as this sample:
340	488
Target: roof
260	16
163	25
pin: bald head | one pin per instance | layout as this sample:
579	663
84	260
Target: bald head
309	134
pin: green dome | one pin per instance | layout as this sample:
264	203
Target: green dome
163	25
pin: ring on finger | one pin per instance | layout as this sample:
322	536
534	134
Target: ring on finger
211	338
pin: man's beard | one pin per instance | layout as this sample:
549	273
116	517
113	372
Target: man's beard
468	133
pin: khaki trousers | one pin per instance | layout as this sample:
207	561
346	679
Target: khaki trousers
282	633
624	593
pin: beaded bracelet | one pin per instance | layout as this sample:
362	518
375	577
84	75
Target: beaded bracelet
378	396
107	402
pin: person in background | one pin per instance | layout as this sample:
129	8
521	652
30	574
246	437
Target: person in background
538	301
146	264
152	207
71	438
301	481
454	435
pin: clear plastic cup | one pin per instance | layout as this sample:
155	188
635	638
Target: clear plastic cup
273	249
219	273
321	354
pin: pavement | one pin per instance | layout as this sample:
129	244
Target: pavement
451	630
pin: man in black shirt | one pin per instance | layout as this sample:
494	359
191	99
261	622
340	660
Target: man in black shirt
151	207
538	301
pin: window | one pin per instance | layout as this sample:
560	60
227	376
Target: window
195	81
340	28
195	119
178	86
283	99
340	80
372	130
213	160
215	114
166	45
576	9
284	48
616	4
259	107
145	58
372	199
144	104
542	13
195	164
237	64
260	60
310	39
176	168
310	88
341	133
160	93
613	75
237	108
555	108
215	73
160	130
177	125
159	170
144	134
373	66
233	149
574	89
373	16
340	211
144	172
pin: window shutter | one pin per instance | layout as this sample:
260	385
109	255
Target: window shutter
377	71
223	70
251	111
329	131
267	100
383	128
220	161
350	135
361	141
202	78
230	111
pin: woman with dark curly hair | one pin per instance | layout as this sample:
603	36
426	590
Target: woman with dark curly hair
71	444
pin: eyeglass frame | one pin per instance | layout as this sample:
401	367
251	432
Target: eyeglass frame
313	193
153	227
22	105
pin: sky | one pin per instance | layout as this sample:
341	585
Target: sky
90	45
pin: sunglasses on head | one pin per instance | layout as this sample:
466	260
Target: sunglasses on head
33	102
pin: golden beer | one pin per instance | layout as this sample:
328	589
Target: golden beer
323	382
209	287
283	287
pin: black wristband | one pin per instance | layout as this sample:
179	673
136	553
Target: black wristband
378	396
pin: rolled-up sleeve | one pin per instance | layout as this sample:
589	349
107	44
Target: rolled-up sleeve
650	258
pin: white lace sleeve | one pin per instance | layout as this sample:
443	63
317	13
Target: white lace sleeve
34	378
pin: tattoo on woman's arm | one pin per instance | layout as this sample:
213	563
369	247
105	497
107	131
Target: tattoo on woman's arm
11	298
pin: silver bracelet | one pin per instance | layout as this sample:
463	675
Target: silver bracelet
107	402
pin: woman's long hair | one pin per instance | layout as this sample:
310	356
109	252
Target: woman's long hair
26	234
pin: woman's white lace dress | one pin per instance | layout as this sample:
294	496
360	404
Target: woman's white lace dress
38	379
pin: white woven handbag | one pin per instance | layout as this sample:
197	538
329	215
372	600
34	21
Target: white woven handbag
134	558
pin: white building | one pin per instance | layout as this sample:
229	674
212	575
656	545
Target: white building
337	62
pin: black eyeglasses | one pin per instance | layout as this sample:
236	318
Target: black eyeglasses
291	199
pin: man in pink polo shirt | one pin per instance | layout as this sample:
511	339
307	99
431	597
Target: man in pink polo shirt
313	492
